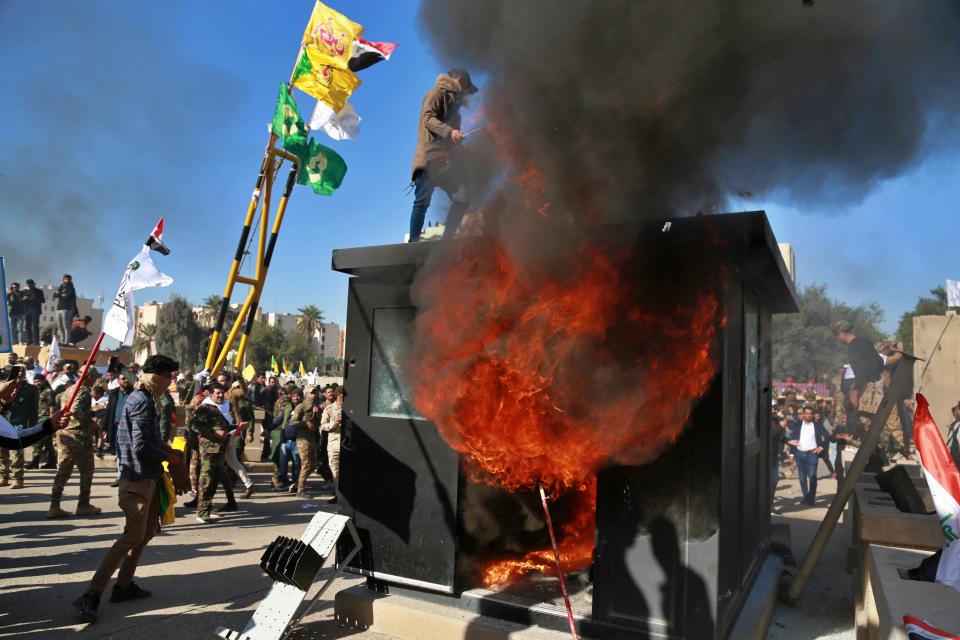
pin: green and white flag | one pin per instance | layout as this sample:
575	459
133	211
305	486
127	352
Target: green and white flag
287	123
321	167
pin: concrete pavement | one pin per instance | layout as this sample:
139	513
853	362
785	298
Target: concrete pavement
201	575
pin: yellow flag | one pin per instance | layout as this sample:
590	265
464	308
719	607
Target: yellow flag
249	372
329	37
326	83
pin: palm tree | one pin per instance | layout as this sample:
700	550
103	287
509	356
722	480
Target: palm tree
144	339
311	317
211	309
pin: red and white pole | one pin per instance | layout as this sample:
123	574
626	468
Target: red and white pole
83	374
556	557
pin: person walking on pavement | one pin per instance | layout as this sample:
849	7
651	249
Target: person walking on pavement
66	297
140	454
75	445
213	433
331	423
810	438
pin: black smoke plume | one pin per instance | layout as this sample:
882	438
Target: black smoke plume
671	107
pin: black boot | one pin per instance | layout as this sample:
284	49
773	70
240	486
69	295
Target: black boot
34	464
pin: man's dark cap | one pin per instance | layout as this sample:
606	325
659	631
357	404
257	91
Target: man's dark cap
30	281
464	76
160	364
842	326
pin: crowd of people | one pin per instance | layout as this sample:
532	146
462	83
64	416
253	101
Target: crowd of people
25	307
807	428
299	430
131	412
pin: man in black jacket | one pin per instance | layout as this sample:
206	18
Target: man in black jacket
140	454
66	297
33	300
809	438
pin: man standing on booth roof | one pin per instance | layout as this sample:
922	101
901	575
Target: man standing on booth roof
437	161
140	454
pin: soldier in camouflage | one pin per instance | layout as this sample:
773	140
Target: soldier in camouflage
22	412
44	450
75	445
212	431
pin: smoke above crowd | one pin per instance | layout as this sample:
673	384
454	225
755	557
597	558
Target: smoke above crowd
82	162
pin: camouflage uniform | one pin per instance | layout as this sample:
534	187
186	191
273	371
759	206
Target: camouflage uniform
193	445
790	396
75	445
44	448
306	441
167	429
22	412
213	464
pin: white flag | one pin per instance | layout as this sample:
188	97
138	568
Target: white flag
953	293
54	356
120	322
343	125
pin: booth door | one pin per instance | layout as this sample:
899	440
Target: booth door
398	478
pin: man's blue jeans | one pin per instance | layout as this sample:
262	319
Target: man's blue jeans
288	454
807	466
17	334
424	183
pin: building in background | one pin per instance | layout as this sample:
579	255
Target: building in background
48	315
327	341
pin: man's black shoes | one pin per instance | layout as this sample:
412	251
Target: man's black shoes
86	606
132	592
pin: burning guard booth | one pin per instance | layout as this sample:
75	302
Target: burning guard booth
680	542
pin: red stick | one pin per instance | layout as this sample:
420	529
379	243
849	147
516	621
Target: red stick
556	556
83	374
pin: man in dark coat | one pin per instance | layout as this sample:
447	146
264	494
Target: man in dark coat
436	161
809	439
66	297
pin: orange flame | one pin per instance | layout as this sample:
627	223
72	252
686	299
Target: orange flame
501	373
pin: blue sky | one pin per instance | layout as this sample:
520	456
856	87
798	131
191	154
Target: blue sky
116	113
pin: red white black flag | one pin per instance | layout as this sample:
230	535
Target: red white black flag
366	53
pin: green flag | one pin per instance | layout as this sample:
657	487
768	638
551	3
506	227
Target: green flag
321	167
287	123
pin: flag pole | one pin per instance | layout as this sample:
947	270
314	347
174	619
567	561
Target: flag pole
83	374
217	353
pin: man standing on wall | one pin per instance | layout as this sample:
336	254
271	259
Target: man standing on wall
437	161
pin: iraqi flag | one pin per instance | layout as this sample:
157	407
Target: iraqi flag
918	629
366	53
944	482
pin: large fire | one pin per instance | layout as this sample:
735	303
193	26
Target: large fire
541	380
544	373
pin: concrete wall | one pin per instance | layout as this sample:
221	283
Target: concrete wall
941	384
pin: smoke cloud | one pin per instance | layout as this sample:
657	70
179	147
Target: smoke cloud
666	108
107	123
